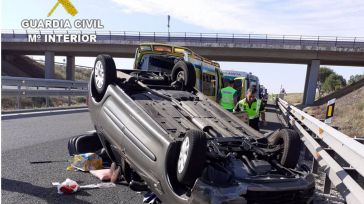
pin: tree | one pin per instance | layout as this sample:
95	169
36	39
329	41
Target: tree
324	72
355	78
333	82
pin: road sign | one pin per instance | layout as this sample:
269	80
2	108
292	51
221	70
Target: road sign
330	110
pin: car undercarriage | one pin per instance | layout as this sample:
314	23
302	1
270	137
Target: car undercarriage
187	149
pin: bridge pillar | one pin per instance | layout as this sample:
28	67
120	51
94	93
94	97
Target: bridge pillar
70	68
311	82
49	65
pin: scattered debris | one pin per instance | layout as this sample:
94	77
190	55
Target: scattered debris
102	174
85	162
48	161
70	186
151	198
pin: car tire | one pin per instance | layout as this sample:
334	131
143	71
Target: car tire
192	157
104	73
291	146
186	71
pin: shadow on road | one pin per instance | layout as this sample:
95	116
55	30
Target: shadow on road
46	194
40	114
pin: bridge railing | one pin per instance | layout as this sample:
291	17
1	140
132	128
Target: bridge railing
250	39
340	156
34	87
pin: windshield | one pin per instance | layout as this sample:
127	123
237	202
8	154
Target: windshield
158	63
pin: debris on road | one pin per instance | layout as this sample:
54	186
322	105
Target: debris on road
85	162
151	198
98	185
70	186
48	161
102	174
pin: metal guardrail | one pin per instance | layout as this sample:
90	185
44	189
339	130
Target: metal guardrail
266	39
34	87
341	156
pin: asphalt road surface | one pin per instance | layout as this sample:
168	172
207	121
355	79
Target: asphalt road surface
41	138
45	138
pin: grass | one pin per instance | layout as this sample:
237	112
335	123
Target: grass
80	73
9	103
294	98
348	114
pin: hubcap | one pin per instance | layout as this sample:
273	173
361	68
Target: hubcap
183	154
99	74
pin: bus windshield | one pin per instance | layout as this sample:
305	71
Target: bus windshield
158	63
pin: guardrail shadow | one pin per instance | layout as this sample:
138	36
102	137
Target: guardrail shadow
42	113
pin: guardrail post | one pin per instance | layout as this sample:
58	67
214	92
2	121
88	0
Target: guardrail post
69	97
47	99
154	36
301	40
216	37
283	40
139	36
185	36
315	165
233	38
13	34
124	36
200	37
336	41
327	184
249	39
18	98
354	42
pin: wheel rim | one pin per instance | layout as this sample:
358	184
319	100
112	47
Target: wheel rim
183	154
99	74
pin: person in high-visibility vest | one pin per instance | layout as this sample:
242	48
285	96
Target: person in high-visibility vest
228	97
252	107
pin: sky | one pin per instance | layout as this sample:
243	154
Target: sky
281	17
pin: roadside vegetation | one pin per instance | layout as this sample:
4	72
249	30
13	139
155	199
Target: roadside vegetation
9	103
348	114
349	108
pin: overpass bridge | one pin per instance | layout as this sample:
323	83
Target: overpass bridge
294	49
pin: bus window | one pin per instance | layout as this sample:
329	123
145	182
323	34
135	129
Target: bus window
158	63
238	84
208	84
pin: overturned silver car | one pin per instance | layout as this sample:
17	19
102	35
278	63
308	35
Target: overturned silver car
186	148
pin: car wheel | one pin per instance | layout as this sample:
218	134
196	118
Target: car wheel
192	157
184	71
104	73
291	147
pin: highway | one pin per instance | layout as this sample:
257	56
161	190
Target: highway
45	138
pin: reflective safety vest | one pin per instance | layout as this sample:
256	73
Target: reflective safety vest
227	97
253	110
